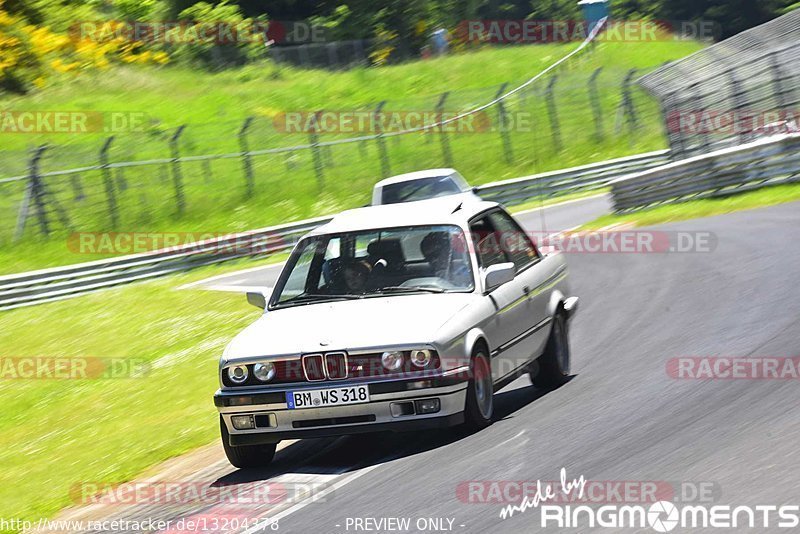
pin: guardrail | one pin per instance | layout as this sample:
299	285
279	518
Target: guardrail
769	161
566	181
58	283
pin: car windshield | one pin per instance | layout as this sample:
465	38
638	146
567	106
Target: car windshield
392	261
421	189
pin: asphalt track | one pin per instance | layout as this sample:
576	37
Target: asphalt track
620	418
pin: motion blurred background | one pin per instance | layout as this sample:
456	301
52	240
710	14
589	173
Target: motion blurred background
158	93
186	137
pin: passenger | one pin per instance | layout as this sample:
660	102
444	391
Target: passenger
355	274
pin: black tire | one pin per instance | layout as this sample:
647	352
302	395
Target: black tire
551	369
480	392
246	456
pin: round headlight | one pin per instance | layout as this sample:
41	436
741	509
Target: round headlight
420	358
392	361
264	371
238	374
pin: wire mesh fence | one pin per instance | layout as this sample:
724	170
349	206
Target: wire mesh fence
222	176
734	91
331	55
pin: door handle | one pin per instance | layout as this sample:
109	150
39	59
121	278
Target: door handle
527	291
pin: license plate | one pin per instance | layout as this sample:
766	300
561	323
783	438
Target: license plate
318	398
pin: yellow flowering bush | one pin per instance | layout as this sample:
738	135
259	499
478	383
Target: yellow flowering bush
31	55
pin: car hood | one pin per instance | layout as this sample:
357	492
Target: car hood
367	323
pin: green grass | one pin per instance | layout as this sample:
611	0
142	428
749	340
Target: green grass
695	209
33	255
57	433
286	187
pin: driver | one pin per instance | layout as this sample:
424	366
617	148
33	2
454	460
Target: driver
438	252
355	274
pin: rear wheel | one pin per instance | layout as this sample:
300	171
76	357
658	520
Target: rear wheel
246	456
552	368
480	392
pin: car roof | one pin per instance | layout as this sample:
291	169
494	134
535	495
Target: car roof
452	209
416	175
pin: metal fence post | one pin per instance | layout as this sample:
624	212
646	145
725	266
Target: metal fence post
777	82
671	119
77	188
108	183
446	153
177	177
697	100
552	112
502	119
246	161
37	191
315	155
386	170
628	106
594	98
737	94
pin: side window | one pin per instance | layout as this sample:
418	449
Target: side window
513	239
486	244
332	263
362	242
296	283
334	249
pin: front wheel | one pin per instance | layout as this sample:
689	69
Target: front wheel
480	392
552	368
246	456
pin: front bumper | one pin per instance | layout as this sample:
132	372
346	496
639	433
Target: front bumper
387	410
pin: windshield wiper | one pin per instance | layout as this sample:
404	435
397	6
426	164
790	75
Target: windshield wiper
311	297
407	289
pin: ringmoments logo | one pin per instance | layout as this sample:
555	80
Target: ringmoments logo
661	516
664	516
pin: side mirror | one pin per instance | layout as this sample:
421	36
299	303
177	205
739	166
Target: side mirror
257	299
496	275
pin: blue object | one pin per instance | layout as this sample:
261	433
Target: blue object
594	11
439	41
